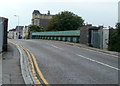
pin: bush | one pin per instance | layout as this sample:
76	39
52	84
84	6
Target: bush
114	41
34	28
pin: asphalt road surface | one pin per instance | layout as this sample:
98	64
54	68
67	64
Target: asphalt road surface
65	64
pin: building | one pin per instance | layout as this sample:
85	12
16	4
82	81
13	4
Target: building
41	19
12	34
119	11
19	32
25	32
94	36
3	33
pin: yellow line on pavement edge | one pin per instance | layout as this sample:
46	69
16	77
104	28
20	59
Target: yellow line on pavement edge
36	64
30	61
38	69
31	65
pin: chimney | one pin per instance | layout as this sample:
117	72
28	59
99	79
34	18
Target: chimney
48	12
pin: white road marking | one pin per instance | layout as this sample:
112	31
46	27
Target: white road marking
56	47
98	62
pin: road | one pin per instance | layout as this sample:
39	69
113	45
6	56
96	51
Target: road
65	64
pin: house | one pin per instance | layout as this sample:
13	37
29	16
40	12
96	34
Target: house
19	32
25	32
41	19
12	34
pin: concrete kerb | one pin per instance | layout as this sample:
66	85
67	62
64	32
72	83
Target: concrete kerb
25	68
0	69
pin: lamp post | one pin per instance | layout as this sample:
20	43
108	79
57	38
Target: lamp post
18	18
17	34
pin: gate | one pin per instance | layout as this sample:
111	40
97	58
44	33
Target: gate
95	38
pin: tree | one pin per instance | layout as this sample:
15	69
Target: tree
118	27
65	21
114	41
34	28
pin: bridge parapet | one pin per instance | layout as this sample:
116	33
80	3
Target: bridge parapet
70	36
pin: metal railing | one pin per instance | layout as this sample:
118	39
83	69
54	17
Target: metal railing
70	36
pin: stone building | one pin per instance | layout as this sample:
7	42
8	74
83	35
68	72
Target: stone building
41	19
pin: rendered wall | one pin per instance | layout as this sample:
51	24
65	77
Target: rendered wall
119	11
105	38
1	33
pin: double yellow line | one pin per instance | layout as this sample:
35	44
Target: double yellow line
31	64
34	66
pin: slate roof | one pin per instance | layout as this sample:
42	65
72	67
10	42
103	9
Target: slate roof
19	27
36	12
12	30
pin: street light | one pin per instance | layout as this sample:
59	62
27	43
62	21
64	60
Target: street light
18	18
18	26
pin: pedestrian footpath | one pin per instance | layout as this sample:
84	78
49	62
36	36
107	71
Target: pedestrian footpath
11	71
0	69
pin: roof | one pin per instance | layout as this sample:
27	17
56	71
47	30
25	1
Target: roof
12	30
36	12
19	27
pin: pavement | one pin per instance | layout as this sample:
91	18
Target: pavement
62	63
0	68
11	70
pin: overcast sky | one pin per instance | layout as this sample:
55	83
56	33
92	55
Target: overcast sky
96	12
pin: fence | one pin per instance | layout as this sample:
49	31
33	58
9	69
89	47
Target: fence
70	36
97	38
